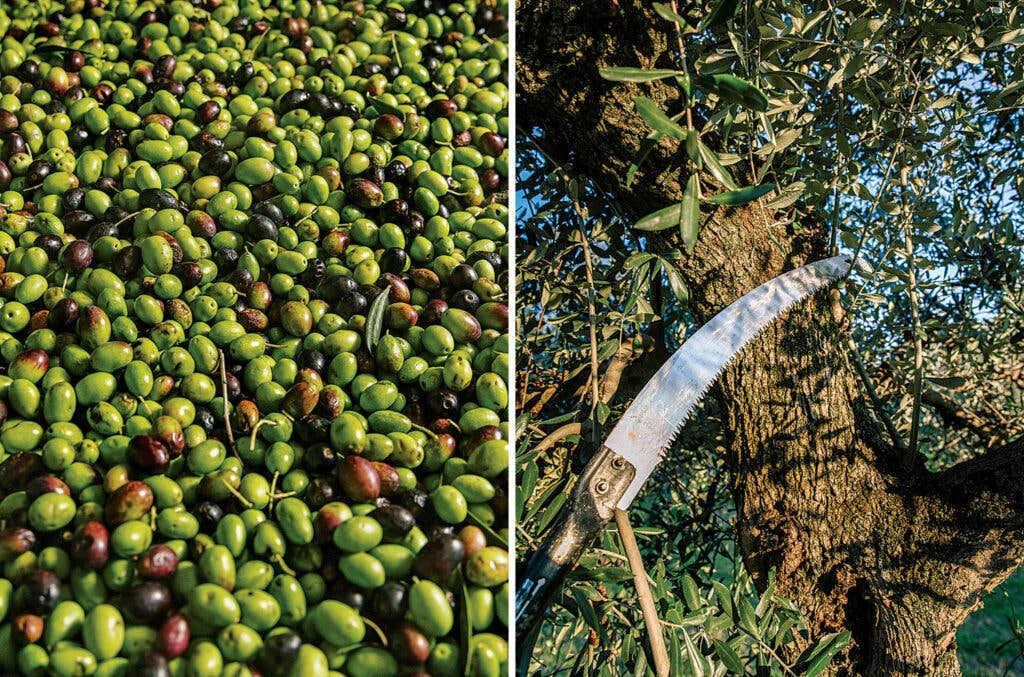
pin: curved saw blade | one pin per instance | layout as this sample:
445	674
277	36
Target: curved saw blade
652	421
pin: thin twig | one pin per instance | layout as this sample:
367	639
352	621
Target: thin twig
876	401
224	396
595	426
643	593
915	317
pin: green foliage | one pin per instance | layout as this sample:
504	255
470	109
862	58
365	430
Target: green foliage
895	130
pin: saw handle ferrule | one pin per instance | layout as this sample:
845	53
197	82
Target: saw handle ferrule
590	506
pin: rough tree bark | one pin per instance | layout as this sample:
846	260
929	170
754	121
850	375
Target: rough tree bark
896	555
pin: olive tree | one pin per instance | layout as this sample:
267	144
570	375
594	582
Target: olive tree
872	440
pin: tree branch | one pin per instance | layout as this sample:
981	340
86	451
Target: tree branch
955	416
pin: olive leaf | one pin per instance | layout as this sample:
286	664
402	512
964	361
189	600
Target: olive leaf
689	213
714	165
729	657
661	219
736	90
723	11
383	106
817	657
666	13
628	74
657	119
742	196
465	625
375	319
675	280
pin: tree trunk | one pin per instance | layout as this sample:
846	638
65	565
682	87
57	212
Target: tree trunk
896	555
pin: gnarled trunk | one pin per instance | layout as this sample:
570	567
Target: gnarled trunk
861	542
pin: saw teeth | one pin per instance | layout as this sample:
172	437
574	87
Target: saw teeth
817	285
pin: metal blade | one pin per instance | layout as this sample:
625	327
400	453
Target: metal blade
654	418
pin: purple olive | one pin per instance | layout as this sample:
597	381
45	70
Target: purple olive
147	602
158	562
76	257
90	546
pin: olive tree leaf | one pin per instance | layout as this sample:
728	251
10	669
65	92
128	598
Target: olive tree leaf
742	196
689	213
657	119
465	626
384	107
589	615
649	142
817	657
661	219
714	165
675	280
629	74
736	90
947	381
666	13
722	12
729	657
375	320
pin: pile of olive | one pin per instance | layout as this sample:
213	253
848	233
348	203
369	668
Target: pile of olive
253	338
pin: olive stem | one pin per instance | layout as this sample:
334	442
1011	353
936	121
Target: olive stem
376	628
394	46
132	215
256	428
279	558
241	499
431	433
152	518
307	216
279	496
273	489
224	391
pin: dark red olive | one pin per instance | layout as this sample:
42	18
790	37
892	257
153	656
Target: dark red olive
73	61
441	108
42	591
208	112
150	663
147	602
149	454
491	143
130	501
76	257
388	126
327	519
174	636
358	479
389	480
46	484
397	288
15	541
438	558
409	644
63	314
388	602
127	262
158	562
463	276
90	546
19	469
365	194
395	520
433	311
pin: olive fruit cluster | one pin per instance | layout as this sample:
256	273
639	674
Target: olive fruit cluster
253	338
